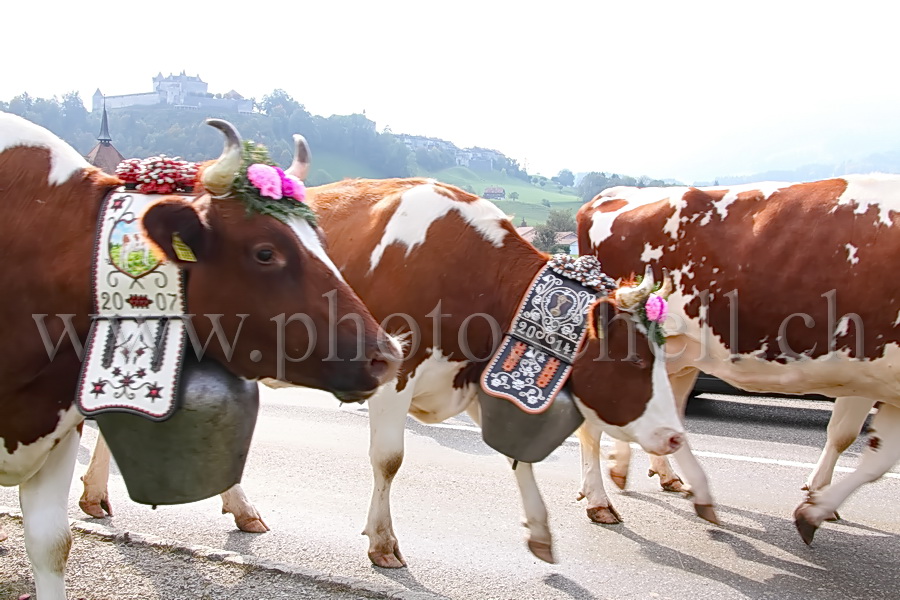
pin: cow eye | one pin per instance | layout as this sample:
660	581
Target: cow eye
265	255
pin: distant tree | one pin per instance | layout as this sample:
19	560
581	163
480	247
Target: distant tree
319	177
301	122
592	184
545	202
514	196
21	104
561	220
279	99
566	178
74	112
544	238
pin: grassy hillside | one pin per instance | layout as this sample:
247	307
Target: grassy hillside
529	204
328	166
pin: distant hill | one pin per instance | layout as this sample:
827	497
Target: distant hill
882	162
342	146
328	166
530	203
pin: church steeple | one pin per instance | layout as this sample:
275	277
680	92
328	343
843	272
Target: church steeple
104	137
104	154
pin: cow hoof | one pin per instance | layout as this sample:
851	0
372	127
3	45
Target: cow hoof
805	527
707	512
98	509
605	515
833	517
620	478
252	525
388	559
673	485
542	550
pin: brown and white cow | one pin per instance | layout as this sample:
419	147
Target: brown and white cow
779	287
439	265
412	247
246	264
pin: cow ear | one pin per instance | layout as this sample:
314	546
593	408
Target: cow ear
176	227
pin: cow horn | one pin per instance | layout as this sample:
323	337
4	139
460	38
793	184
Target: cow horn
300	167
667	286
218	177
629	298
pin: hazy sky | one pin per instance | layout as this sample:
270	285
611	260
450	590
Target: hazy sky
688	90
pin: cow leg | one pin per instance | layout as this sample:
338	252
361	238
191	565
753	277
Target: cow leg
881	454
600	509
699	485
620	461
846	422
682	383
235	501
95	497
387	423
540	541
43	499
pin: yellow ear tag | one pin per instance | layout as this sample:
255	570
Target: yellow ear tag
182	250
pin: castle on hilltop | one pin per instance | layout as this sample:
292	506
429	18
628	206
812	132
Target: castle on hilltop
179	91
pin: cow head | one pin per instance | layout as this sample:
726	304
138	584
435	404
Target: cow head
262	289
621	374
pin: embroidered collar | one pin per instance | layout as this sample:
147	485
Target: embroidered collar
587	271
137	341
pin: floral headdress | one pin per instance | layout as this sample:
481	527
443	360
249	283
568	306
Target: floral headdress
652	314
647	301
266	189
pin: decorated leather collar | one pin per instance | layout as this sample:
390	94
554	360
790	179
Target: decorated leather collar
535	358
137	340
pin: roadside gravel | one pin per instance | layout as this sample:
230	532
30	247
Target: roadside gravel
104	565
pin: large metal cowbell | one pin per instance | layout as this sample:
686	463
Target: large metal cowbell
198	452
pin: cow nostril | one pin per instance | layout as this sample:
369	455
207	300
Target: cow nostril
382	369
377	367
676	441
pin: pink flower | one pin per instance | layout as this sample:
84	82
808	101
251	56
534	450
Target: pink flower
266	180
656	308
293	188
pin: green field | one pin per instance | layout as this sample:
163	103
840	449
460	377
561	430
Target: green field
327	167
529	204
337	167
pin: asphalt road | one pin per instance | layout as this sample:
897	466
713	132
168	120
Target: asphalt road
457	511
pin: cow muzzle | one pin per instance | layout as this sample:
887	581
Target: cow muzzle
664	440
382	363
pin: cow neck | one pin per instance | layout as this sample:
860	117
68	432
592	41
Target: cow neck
55	235
536	356
514	276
